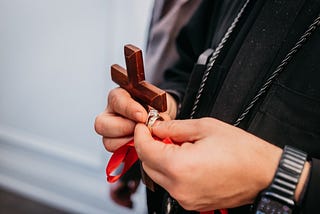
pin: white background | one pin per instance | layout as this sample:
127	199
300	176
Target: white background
55	57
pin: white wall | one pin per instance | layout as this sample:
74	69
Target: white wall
54	77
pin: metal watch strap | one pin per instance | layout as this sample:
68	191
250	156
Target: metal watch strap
288	174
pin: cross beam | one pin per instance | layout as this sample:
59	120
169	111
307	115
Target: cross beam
133	80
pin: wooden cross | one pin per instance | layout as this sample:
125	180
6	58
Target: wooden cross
133	80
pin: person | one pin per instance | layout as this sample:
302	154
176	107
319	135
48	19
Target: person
244	104
167	19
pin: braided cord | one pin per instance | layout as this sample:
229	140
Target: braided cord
214	56
279	69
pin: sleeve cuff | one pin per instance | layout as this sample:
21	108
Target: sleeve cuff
311	198
178	98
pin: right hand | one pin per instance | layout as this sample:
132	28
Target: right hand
116	124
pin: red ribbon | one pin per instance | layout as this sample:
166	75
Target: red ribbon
127	156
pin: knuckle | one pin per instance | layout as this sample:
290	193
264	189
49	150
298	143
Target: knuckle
174	191
187	205
113	98
187	201
173	125
182	197
128	109
120	103
204	123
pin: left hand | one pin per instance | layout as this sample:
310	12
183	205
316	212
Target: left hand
217	166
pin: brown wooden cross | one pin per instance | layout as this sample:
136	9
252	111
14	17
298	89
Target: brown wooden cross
133	80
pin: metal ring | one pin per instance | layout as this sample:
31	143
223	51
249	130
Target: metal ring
153	116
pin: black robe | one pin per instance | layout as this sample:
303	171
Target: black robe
289	112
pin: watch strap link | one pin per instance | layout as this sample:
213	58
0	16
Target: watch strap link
287	176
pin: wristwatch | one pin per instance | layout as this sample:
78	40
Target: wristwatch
279	196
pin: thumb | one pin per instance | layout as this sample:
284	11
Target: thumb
148	149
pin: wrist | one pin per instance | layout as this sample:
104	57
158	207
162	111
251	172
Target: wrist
302	182
271	159
288	183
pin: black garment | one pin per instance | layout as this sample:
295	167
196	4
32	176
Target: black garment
289	113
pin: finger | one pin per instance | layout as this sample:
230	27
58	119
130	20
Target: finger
155	154
112	144
180	130
120	102
110	125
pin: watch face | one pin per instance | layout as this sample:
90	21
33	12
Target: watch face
270	206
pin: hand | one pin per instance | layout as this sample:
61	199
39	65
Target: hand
217	166
116	124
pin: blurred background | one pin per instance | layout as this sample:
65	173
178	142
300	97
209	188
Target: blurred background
55	57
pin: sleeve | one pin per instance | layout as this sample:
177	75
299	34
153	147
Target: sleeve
190	43
311	198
